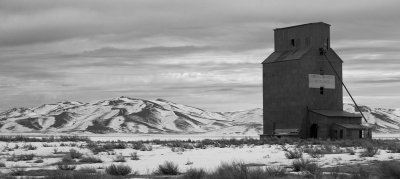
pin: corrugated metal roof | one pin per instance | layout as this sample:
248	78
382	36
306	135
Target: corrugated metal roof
332	113
286	55
313	23
352	126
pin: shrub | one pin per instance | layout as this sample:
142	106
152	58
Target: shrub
175	143
292	154
200	145
207	142
390	169
55	151
315	153
120	145
17	171
75	154
29	147
119	170
167	168
111	146
300	164
314	170
74	138
147	147
23	157
188	146
91	159
63	166
134	156
234	170
38	161
2	164
46	145
370	151
361	173
329	148
67	159
351	151
119	158
177	149
78	175
137	145
275	171
87	170
95	148
194	173
112	152
394	147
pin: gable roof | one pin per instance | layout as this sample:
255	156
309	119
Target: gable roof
312	23
295	54
287	55
352	126
332	113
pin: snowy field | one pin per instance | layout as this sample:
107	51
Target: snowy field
206	157
209	158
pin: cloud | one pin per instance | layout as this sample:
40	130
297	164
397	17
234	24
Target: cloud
194	52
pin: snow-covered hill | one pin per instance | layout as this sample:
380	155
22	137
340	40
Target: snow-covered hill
382	120
129	115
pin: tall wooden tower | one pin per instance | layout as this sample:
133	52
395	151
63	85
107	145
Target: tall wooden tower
302	89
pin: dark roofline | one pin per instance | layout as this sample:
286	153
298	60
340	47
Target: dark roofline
353	126
302	25
329	113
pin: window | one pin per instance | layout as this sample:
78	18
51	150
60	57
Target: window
327	43
321	90
292	42
322	51
341	134
321	70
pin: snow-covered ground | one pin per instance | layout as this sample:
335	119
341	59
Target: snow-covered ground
208	158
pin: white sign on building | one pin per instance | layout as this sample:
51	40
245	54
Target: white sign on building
317	81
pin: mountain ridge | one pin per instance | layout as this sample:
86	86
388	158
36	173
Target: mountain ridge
160	116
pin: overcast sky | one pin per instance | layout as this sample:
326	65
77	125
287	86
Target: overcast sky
203	53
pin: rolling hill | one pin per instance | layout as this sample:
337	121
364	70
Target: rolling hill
130	115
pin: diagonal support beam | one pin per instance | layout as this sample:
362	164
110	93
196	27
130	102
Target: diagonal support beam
348	92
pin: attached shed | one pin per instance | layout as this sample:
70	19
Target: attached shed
350	131
336	125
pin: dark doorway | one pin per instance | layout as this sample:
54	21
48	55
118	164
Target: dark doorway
314	131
